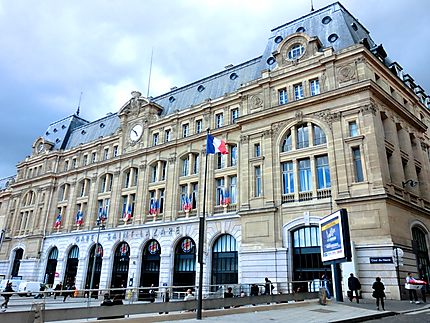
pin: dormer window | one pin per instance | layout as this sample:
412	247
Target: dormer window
296	51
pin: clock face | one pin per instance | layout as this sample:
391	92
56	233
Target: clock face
41	148
136	132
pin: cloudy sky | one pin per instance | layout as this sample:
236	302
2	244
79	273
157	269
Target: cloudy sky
51	51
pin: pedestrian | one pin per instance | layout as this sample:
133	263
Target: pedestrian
8	289
152	294
166	299
324	284
189	296
378	293
412	288
68	292
254	290
41	290
57	290
268	287
424	287
228	294
353	286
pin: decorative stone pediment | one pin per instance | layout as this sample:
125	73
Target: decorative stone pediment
138	106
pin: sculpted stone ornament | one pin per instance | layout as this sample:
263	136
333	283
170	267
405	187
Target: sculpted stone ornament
244	138
135	102
328	117
369	108
346	73
299	116
256	102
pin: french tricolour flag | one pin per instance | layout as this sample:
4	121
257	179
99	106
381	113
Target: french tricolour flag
215	145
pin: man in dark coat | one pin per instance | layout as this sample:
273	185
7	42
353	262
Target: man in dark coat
7	296
353	286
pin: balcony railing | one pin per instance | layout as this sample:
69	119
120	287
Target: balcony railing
288	198
323	193
305	196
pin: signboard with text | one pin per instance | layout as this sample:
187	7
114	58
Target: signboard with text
334	234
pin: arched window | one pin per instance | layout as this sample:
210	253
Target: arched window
185	263
130	177
150	270
307	264
17	262
120	268
29	198
224	261
51	266
96	253
419	245
84	187
287	142
71	266
105	184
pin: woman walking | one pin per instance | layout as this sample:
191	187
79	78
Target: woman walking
378	293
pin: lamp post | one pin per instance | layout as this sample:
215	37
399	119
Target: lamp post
100	226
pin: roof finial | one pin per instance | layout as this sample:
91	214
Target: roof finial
79	105
312	5
150	70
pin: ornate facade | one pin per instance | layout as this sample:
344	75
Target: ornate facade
322	120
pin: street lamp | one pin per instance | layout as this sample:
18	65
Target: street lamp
101	226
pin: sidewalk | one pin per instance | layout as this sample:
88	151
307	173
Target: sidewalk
307	311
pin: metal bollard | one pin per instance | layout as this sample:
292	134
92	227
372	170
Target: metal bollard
38	309
322	295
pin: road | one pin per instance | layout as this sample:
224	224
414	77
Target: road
413	317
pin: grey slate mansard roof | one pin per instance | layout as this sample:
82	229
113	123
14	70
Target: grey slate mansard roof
340	22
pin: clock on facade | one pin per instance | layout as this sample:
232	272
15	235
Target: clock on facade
136	132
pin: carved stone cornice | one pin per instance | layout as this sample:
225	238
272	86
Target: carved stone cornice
244	139
172	160
327	116
369	108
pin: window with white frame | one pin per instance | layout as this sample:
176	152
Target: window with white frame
282	96
319	136
302	136
185	130
257	181
167	134
94	157
220	161
219	190
314	87
185	166
106	154
85	160
115	151
84	187
305	175
199	126
298	92
296	51
233	155
287	177
234	115
233	189
106	182
196	163
323	172
219	120
155	139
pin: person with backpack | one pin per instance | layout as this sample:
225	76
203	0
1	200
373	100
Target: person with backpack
353	286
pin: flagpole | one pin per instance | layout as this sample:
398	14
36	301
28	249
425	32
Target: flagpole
202	237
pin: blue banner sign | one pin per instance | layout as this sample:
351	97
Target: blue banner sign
332	244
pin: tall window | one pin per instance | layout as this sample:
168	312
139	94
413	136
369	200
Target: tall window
195	194
163	170
233	155
287	178
167	134
220	162
233	189
298	92
319	136
85	160
130	177
93	157
302	136
224	261
84	187
258	188
219	190
323	172
305	175
185	166
199	126
287	144
219	120
106	154
283	96
353	128
153	172
196	163
234	115
183	195
161	200
314	87
358	169
185	130
257	150
106	183
155	139
115	151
